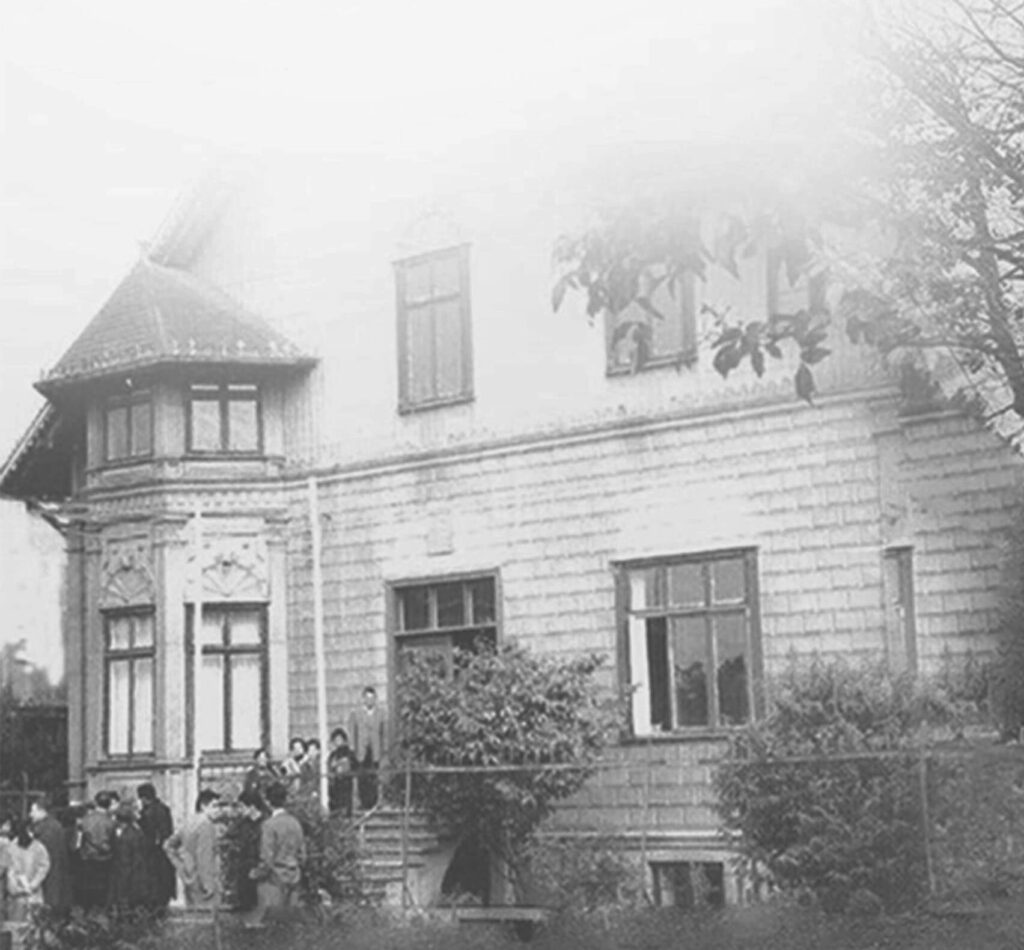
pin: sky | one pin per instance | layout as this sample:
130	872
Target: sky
109	108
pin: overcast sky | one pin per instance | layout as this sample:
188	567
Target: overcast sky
108	108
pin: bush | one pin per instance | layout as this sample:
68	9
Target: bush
810	799
579	876
333	865
505	707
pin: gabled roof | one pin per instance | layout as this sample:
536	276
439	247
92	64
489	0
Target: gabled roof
161	315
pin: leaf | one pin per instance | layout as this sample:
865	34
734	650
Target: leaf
773	350
757	360
815	354
726	360
804	381
558	293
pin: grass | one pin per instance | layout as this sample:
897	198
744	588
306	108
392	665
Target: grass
994	926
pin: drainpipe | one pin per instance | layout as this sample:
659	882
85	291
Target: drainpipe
197	647
318	636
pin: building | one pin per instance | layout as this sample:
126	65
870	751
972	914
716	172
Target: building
378	334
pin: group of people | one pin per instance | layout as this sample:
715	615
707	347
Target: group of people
106	855
352	765
271	854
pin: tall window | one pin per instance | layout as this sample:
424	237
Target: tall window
436	619
128	426
130	654
230	698
898	591
638	339
224	418
692	640
435	364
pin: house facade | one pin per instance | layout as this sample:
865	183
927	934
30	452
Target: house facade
370	342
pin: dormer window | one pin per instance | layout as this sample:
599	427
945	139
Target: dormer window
128	426
224	418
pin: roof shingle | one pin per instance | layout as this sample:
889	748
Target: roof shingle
162	315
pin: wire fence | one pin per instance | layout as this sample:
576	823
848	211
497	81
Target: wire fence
970	807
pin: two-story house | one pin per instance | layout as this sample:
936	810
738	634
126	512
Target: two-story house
372	339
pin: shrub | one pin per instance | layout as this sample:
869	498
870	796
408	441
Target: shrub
579	876
813	802
504	707
333	866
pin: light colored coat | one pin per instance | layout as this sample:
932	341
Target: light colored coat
367	730
26	871
193	852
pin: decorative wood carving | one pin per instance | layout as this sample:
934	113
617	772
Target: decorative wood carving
126	573
235	568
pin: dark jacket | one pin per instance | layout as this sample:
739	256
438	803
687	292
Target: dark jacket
131	884
57	886
156	826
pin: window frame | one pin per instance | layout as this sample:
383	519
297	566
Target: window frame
752	607
224	398
686	299
128	401
225	650
899	606
662	873
406	403
393	618
129	655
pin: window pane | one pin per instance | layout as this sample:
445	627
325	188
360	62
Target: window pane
417	282
728	581
143	706
690	670
243	425
420	355
209	704
143	630
205	426
415	608
645	589
119	632
212	631
117	432
142	429
449	606
117	706
731	648
445	275
448	356
667	333
482	595
658	673
686	584
246	701
244	627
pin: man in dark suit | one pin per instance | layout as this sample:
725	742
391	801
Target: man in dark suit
282	854
367	732
157	826
50	832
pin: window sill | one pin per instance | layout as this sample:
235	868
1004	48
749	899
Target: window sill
195	455
113	464
117	762
721	734
676	361
405	409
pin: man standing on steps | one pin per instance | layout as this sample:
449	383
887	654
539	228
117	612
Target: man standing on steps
282	854
367	731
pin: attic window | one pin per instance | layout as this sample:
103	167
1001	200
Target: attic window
128	426
224	418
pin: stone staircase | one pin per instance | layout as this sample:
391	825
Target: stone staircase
379	836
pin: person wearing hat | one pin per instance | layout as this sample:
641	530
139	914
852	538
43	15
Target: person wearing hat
193	852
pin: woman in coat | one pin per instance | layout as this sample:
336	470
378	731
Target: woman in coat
131	879
28	865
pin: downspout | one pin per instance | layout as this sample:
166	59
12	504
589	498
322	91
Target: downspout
83	654
318	636
197	648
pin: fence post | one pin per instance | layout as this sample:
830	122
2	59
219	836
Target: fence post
922	778
646	818
406	804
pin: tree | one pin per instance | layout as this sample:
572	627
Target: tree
936	168
503	708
